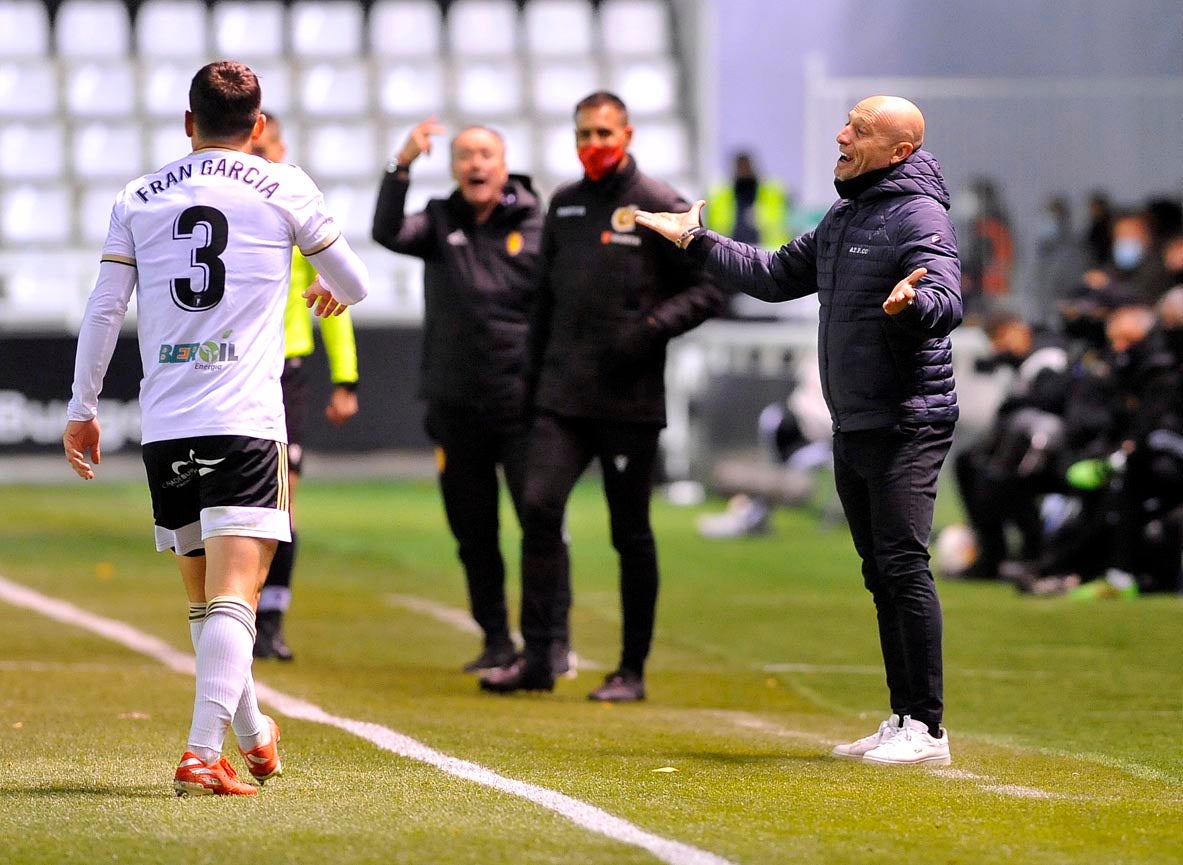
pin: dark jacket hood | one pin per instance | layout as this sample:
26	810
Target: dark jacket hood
919	174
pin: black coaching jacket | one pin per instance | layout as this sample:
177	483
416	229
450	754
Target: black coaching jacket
478	288
611	294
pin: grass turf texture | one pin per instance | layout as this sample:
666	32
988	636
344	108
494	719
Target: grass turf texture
1064	717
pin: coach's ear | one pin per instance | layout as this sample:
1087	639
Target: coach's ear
189	124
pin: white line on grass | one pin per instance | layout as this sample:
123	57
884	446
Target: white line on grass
580	813
459	619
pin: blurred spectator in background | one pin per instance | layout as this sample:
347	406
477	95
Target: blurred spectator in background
1164	217
1135	266
1002	478
480	246
987	247
1098	234
1059	261
1172	259
341	350
752	209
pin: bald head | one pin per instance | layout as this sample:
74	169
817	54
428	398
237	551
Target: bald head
1170	309
880	131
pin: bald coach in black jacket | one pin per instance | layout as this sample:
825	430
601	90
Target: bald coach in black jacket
610	296
883	263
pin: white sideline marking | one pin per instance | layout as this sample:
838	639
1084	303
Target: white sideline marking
580	813
459	619
1021	792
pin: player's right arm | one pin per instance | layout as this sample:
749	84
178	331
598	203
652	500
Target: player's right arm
101	323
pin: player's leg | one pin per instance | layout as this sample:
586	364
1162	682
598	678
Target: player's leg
628	454
466	462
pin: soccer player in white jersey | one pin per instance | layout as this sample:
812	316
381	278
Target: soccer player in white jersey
206	244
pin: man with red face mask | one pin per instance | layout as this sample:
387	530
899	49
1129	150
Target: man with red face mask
610	295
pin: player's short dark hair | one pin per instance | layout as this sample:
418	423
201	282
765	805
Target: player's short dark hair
224	97
601	98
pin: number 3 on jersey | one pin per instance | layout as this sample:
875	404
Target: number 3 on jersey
204	257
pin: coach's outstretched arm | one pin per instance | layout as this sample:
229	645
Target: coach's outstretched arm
786	274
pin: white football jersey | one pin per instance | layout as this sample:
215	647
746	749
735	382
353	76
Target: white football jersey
211	238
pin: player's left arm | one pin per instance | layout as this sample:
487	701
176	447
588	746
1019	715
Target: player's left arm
341	348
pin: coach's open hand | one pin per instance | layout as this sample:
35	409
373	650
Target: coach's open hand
672	226
904	292
321	301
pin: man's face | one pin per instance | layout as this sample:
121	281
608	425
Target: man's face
478	166
864	144
269	145
603	126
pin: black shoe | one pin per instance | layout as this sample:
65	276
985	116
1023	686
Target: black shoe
269	641
622	686
562	660
518	676
492	657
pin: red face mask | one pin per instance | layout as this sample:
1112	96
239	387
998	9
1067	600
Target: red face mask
600	160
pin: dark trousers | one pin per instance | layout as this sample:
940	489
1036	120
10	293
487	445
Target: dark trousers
887	481
561	448
993	499
470	447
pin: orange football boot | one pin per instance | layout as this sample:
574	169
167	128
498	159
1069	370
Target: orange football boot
263	762
195	778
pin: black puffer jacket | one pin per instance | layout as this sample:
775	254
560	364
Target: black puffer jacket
877	370
478	288
611	294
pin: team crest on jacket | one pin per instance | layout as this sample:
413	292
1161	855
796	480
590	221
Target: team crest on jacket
624	218
514	243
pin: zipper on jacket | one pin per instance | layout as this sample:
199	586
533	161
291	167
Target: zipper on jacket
825	346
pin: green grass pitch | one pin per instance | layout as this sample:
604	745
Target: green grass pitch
1065	718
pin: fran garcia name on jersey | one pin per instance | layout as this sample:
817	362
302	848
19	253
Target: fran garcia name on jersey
207	355
230	168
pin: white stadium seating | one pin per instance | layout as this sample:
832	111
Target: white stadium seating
94	94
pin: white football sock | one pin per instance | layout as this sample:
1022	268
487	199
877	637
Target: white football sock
224	656
249	724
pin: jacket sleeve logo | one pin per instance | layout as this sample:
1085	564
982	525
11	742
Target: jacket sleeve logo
514	243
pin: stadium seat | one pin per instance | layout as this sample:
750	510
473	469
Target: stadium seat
519	145
166	142
104	151
557	85
165	89
28	89
79	22
405	28
342	151
24	29
94	212
32	151
36	214
334	89
352	206
558	28
275	78
481	28
410	89
559	162
321	29
249	31
172	29
635	27
662	148
489	89
647	86
101	89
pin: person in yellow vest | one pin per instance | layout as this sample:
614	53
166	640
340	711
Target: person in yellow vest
340	347
750	209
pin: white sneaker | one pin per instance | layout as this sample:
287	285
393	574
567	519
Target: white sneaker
912	746
855	750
